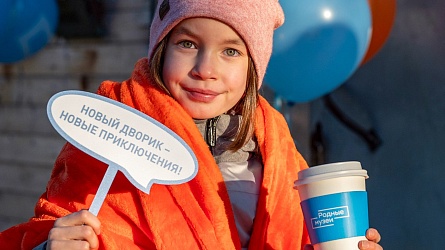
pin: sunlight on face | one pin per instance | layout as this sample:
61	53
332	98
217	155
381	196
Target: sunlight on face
205	67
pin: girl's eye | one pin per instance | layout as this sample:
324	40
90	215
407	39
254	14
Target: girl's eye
186	44
232	52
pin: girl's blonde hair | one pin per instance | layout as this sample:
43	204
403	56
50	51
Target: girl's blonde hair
246	106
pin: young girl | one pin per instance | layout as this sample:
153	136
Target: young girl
207	60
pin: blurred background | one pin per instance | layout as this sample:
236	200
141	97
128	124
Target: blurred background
381	105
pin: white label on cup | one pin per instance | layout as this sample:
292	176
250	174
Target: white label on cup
327	217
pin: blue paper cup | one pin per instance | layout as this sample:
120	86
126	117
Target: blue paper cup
335	204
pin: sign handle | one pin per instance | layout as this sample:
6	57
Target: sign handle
102	191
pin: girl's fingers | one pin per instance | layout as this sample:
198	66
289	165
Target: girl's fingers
78	230
373	235
82	217
369	245
65	244
73	233
374	238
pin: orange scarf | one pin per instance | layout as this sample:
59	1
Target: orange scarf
194	215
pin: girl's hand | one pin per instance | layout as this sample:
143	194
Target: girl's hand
78	230
373	237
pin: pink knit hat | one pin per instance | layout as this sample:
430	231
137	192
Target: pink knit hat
254	20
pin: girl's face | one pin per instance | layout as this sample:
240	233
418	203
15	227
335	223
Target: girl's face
205	67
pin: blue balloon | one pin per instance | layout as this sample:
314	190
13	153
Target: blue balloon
320	45
4	7
27	26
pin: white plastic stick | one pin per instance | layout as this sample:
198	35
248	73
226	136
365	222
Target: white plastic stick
102	191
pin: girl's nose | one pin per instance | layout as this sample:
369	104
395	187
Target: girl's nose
205	67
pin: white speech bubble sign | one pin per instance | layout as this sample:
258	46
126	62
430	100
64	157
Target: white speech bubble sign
128	140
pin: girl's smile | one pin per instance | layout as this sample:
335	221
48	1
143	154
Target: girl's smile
201	95
205	67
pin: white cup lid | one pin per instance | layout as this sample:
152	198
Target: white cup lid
331	170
